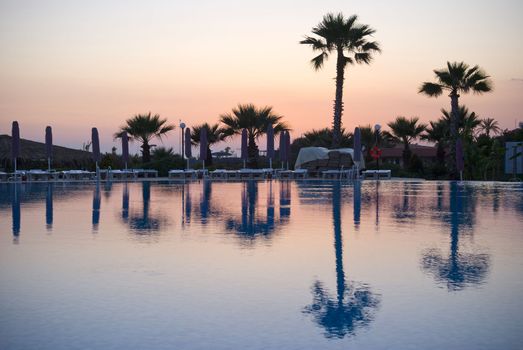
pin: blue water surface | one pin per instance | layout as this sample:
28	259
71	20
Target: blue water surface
261	265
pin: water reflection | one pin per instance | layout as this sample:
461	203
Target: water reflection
357	204
250	224
49	206
125	203
142	222
15	209
285	199
354	304
96	207
405	211
205	201
457	269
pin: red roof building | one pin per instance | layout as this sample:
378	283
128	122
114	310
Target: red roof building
394	155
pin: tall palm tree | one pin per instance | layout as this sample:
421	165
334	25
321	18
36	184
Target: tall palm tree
405	130
437	132
457	78
489	125
143	128
350	41
256	121
215	134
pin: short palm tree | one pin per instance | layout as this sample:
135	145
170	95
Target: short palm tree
143	128
323	138
489	125
405	130
215	134
256	121
457	78
466	124
350	41
437	132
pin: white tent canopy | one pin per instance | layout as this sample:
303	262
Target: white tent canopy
309	154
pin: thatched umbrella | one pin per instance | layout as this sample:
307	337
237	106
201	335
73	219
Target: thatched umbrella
270	144
15	143
188	150
203	146
125	149
49	146
287	147
283	153
357	149
244	151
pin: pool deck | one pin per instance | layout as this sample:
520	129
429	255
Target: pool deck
171	180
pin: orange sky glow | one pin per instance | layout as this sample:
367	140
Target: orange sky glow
74	64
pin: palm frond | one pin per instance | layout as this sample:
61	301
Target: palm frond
431	89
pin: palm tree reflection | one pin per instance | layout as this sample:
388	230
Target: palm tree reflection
460	269
144	222
354	304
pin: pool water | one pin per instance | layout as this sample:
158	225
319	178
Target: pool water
261	265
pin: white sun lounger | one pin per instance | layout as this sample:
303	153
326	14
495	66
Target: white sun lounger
377	174
182	174
41	175
78	175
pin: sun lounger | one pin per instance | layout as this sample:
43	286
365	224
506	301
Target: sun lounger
300	173
232	174
331	174
377	174
182	174
41	175
121	174
145	173
252	174
219	174
78	175
3	176
285	174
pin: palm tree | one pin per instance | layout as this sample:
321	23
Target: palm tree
349	40
437	132
466	124
256	121
456	78
405	130
323	138
143	128
489	125
215	134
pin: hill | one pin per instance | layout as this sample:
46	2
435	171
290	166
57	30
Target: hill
32	155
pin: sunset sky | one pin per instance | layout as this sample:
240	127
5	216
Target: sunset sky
78	64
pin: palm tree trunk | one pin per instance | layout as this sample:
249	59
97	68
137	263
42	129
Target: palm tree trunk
146	152
209	156
338	102
406	154
252	152
454	104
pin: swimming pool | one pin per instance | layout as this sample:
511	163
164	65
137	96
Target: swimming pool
261	265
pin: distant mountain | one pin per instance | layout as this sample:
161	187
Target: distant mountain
32	153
